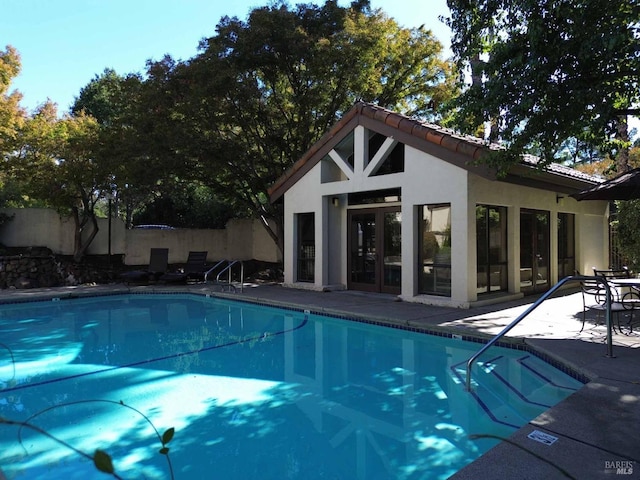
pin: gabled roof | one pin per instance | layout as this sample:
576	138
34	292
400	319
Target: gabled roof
461	150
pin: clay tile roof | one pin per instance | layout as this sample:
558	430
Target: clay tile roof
465	146
561	169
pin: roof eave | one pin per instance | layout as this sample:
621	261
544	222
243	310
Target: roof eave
531	176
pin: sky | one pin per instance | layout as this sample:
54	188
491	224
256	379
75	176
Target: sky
64	44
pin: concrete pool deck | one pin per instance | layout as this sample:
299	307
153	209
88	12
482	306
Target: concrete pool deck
597	429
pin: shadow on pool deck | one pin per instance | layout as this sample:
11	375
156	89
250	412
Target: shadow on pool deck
597	428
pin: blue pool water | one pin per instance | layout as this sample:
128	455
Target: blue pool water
252	392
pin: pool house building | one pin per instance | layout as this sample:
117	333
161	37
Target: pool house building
387	203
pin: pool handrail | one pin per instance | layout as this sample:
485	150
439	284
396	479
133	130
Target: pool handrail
228	268
206	274
547	294
230	263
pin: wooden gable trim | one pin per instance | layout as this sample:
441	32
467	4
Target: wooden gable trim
312	157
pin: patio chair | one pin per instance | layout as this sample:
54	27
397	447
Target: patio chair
193	270
612	274
158	265
594	298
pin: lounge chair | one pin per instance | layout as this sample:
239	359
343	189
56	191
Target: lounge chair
158	265
194	269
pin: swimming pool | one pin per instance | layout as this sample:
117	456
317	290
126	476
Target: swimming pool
252	391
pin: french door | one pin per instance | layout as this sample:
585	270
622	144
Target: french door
374	244
534	251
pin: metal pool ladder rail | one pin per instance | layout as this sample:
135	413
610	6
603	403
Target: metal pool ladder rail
226	268
535	305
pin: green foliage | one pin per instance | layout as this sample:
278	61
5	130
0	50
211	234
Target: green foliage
166	438
262	91
552	70
628	233
125	146
103	98
12	117
56	164
215	131
191	206
48	161
102	461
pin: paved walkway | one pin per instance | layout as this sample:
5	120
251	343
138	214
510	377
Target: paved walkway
597	428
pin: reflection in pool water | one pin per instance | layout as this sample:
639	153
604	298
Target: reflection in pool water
252	392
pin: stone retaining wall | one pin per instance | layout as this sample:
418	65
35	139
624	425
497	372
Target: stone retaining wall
39	267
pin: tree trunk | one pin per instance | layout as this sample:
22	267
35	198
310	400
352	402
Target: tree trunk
82	242
493	135
622	157
275	229
273	222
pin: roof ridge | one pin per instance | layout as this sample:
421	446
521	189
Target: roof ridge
374	111
469	146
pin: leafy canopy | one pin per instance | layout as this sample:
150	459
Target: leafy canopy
551	70
262	91
12	116
227	123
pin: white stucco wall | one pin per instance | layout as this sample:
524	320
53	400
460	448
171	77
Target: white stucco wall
591	222
42	226
296	203
592	244
429	180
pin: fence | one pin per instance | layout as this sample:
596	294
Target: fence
240	240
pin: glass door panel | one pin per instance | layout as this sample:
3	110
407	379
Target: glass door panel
491	242
542	251
534	251
392	250
363	253
375	250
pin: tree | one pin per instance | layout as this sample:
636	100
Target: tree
627	232
262	91
55	163
133	115
12	118
552	70
192	206
113	101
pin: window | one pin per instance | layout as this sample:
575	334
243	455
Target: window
491	243
391	195
394	161
306	247
345	149
566	245
435	249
